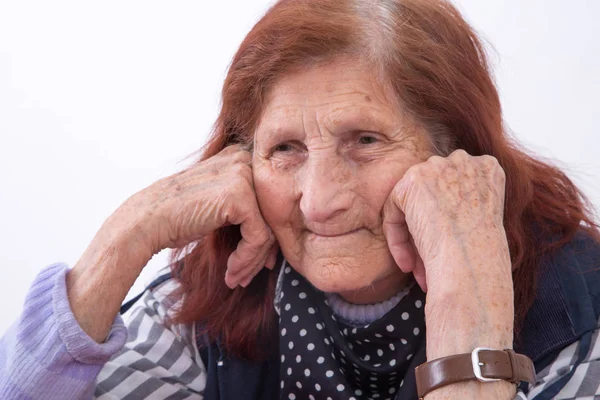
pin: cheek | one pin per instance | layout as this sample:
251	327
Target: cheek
378	182
275	195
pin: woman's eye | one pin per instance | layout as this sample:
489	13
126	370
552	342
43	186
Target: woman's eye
367	139
283	147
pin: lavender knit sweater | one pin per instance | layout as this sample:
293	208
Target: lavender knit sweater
45	354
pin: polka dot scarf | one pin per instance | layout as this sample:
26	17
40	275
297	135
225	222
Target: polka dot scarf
323	357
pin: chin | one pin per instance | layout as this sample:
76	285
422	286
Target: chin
334	276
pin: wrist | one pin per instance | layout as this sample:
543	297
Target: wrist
475	390
457	324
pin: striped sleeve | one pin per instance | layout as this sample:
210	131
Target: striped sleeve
573	375
159	361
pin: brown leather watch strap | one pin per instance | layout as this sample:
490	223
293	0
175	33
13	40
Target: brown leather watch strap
482	364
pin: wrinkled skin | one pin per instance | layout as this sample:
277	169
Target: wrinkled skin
329	149
349	189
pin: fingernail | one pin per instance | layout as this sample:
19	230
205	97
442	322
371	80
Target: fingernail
246	281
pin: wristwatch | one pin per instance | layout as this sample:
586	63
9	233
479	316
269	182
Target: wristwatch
482	364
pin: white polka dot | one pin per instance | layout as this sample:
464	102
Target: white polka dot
282	384
343	360
326	341
281	295
345	331
357	372
358	342
375	395
318	387
404	341
289	371
287	307
291	345
291	396
340	387
392	347
418	303
311	310
358	392
310	346
402	383
416	331
393	362
378	335
302	295
319	326
405	316
367	341
379	352
311	397
390	328
307	372
392	390
342	353
287	270
409	357
329	373
352	398
353	330
373	385
320	360
373	378
350	345
333	317
295	282
295	318
367	357
282	358
298	358
299	385
283	332
302	332
377	365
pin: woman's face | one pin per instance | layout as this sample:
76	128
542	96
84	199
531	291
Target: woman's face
330	146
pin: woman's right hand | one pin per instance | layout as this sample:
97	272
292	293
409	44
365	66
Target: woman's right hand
217	192
172	212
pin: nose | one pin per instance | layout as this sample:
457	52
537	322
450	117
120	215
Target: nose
325	186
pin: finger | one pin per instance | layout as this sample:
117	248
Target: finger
272	259
254	247
420	274
397	235
269	263
244	276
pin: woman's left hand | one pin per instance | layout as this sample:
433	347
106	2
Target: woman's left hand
441	205
450	210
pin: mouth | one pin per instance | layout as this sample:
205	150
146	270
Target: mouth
330	234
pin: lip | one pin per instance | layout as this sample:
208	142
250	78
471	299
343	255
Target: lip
331	234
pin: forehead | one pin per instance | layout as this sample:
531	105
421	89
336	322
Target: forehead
338	92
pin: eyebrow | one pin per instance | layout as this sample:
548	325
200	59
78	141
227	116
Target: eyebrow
338	123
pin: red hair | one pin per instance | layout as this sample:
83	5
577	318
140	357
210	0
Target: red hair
437	66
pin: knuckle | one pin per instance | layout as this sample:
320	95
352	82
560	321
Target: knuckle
241	157
436	160
488	161
460	154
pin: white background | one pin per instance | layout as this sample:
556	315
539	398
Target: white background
100	99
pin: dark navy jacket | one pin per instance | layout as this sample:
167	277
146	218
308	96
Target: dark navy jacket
566	309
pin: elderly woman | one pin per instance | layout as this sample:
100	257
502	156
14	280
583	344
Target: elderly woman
360	226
